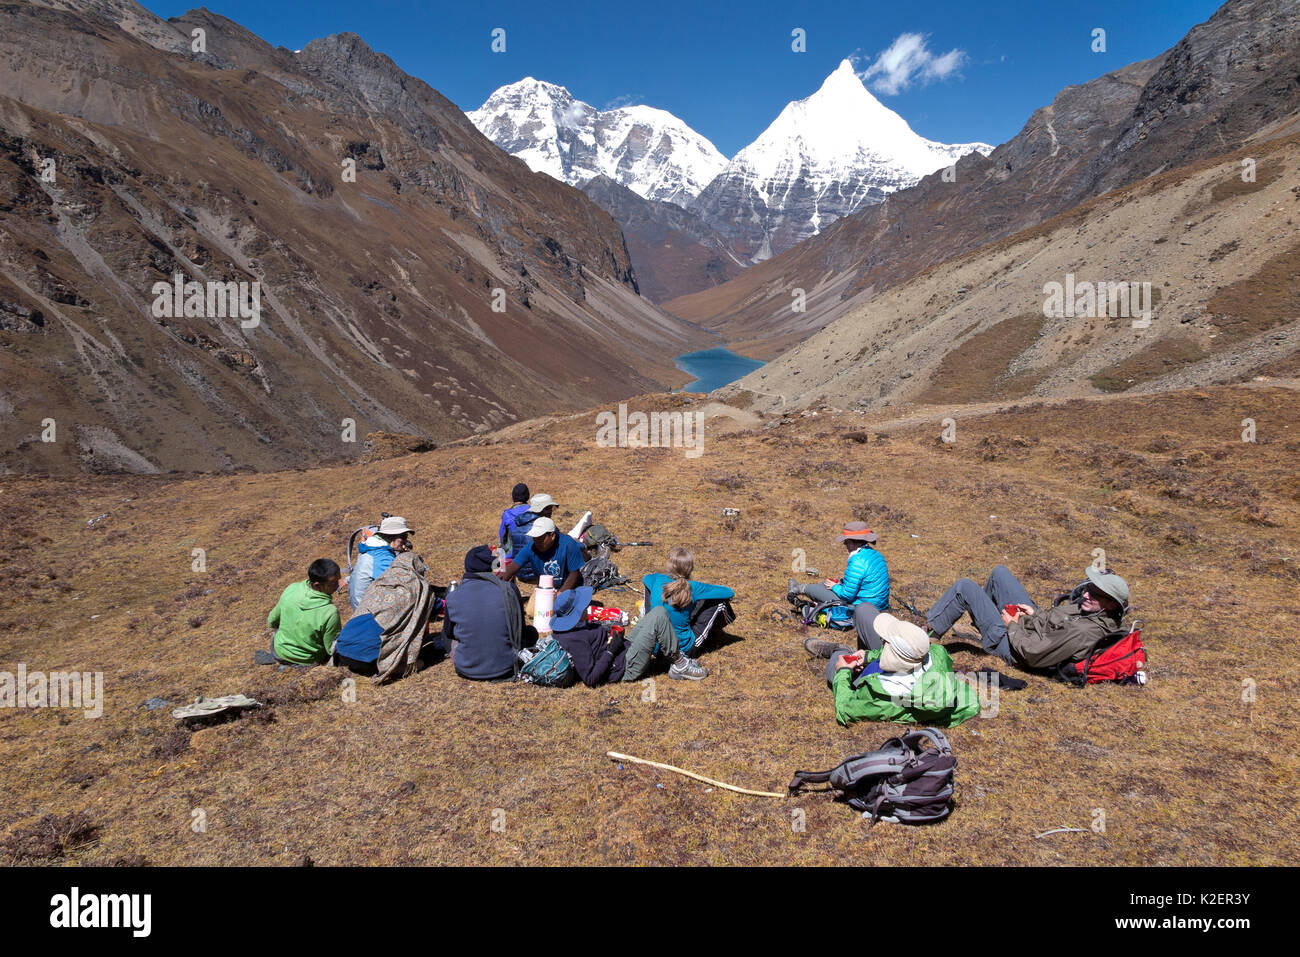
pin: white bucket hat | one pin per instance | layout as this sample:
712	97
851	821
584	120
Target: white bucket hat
906	645
540	501
394	525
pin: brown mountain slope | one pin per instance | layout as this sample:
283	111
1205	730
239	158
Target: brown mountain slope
377	295
1222	258
1204	527
1230	77
673	251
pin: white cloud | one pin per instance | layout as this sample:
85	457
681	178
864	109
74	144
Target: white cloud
625	99
908	62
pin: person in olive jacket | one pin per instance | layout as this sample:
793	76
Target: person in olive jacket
1029	636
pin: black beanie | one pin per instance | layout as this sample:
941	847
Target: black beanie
520	493
478	559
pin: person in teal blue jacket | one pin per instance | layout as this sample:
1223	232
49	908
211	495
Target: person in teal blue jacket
665	627
865	584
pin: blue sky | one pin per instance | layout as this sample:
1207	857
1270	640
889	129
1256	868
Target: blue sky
727	70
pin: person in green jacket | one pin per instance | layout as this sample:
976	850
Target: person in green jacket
908	678
305	618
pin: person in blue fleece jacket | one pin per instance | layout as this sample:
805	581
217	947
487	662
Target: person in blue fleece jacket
666	625
865	584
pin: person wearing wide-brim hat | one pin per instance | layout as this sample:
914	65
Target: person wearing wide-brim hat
1015	629
375	554
903	677
865	584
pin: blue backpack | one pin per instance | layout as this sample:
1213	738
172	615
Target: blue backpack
517	531
548	665
828	614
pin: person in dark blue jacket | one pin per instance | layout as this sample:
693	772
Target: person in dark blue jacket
865	585
519	505
598	650
665	628
484	623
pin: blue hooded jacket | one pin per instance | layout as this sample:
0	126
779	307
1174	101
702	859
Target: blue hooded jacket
374	557
866	578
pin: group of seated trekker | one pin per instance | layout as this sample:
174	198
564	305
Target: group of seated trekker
901	672
485	621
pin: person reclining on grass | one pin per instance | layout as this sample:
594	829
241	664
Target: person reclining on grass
865	585
485	621
376	553
902	677
665	628
1031	638
305	618
547	553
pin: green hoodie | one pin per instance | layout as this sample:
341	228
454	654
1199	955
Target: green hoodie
307	624
938	697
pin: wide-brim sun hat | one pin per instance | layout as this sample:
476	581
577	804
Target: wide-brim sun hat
395	525
540	501
1111	584
569	608
858	531
906	645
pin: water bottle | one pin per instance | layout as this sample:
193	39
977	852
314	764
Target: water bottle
544	604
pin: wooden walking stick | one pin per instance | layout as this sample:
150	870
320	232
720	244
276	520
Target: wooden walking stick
615	755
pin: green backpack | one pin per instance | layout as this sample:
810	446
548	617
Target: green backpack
548	665
598	535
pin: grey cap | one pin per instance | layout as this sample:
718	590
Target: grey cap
1111	584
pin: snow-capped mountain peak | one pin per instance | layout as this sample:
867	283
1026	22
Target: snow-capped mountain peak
822	158
650	151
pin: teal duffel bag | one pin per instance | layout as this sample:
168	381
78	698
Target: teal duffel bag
548	665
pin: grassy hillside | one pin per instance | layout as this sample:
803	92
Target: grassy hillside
1202	524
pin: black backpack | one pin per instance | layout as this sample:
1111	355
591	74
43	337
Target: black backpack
600	572
902	782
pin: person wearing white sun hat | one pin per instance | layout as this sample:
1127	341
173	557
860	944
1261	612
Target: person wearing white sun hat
376	553
547	553
905	678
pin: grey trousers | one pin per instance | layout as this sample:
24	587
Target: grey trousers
817	592
864	613
985	608
835	656
653	629
864	616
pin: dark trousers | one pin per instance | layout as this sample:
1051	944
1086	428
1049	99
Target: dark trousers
864	616
985	608
366	668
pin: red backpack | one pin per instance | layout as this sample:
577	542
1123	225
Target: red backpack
1117	656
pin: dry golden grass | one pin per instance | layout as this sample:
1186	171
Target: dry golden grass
1202	524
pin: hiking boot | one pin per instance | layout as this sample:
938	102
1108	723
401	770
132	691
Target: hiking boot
821	647
792	588
687	668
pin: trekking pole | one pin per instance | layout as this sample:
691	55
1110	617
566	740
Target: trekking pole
615	755
633	544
